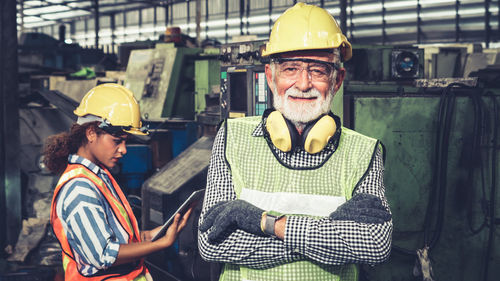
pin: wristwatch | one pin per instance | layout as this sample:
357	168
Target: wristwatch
270	223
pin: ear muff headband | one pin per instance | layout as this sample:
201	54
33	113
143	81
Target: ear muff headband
285	137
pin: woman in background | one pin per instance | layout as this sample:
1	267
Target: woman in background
90	215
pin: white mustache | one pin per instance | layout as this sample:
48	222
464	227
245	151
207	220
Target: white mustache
312	93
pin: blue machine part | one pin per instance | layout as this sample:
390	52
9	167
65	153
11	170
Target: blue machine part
135	164
182	138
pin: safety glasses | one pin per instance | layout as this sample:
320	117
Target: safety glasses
318	71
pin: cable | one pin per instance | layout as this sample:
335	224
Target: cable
438	187
478	133
441	179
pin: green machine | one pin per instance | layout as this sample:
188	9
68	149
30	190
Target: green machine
207	87
206	72
162	81
441	170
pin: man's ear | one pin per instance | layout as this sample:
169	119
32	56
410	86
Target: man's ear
339	78
269	77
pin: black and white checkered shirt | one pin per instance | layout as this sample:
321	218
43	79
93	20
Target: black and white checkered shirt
322	240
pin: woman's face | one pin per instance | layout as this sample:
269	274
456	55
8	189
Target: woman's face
106	149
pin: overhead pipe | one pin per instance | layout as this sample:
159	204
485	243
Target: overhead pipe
96	23
343	16
198	23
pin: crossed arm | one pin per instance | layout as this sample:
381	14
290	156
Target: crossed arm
325	240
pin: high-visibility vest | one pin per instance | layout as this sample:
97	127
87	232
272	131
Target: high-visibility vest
123	213
260	179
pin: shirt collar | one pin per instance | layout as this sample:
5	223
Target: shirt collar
77	159
258	131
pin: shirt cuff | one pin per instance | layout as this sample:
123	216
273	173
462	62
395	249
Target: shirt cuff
296	231
110	253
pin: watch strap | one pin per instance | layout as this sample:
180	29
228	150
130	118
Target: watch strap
270	224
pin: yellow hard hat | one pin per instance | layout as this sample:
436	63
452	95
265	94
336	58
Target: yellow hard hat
306	27
116	106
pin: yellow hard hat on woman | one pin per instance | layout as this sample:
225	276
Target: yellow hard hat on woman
113	105
306	27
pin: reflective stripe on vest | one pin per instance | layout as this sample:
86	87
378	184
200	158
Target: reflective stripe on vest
121	210
259	178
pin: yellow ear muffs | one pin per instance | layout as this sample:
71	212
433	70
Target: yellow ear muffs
285	137
318	134
279	131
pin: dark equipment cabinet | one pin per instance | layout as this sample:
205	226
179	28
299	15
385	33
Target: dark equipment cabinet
441	170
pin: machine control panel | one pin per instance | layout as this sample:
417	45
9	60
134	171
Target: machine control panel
243	85
244	91
241	53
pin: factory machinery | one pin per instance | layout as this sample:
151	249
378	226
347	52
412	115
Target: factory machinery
440	136
436	114
434	109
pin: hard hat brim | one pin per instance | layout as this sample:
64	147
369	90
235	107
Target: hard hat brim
135	131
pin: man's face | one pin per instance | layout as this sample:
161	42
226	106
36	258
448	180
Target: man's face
301	91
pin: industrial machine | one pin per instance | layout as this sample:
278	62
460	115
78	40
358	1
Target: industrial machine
207	91
440	140
162	81
244	90
162	193
206	73
385	63
170	101
440	174
36	245
41	52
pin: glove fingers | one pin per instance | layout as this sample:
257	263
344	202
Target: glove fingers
365	200
237	214
211	215
220	225
375	203
372	212
214	235
340	214
376	213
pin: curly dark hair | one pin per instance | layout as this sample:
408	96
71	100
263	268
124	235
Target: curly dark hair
59	147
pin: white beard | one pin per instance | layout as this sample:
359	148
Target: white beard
302	112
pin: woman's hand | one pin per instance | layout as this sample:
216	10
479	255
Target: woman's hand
133	251
147	235
177	225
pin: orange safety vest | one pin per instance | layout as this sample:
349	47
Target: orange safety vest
122	211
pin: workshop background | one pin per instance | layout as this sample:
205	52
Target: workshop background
424	79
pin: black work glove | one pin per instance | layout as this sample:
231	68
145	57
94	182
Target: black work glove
226	215
364	208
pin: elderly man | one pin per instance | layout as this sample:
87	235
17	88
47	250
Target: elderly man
293	195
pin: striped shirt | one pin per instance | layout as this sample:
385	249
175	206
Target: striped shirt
322	240
93	231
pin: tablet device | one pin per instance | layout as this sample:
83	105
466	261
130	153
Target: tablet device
195	198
